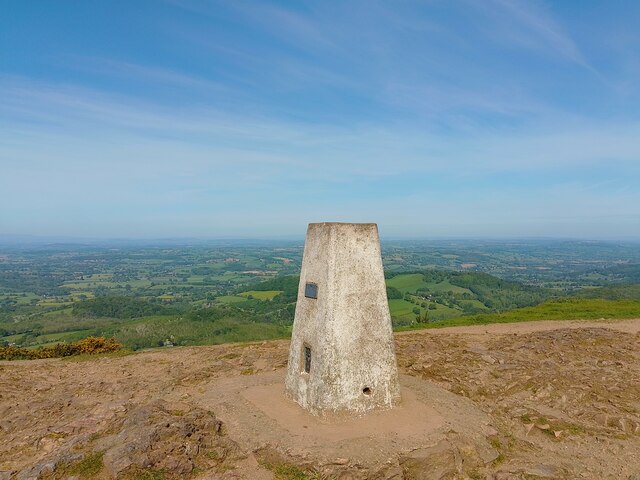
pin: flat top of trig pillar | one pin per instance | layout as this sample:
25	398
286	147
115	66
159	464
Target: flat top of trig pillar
337	224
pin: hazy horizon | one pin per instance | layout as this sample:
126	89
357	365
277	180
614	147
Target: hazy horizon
188	118
29	240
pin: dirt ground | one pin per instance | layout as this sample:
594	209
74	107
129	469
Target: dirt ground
528	400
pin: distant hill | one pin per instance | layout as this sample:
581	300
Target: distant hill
426	296
613	292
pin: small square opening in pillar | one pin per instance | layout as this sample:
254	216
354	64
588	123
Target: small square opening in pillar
311	290
307	359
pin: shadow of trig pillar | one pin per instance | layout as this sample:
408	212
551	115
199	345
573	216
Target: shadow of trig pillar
342	356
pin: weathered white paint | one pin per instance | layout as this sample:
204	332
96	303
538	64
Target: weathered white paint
348	327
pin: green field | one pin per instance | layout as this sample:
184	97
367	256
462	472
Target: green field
156	295
22	299
262	295
64	336
231	299
89	282
446	286
411	282
407	282
402	311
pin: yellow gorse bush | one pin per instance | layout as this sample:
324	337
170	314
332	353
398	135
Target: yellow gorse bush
89	346
93	345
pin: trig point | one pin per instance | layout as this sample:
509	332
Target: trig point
342	356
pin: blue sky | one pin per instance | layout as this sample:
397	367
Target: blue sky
183	118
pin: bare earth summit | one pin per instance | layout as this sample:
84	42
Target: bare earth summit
506	401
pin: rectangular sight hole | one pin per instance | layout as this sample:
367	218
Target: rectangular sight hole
311	290
307	359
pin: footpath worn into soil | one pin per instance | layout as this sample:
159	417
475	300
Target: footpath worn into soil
506	401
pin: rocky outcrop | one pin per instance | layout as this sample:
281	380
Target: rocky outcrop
152	437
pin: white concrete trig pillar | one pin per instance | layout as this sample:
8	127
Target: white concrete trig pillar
342	356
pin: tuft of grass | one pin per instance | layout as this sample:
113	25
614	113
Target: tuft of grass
494	441
287	471
476	475
574	429
213	455
143	474
88	466
554	426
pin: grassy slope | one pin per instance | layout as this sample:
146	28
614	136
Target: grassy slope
407	282
565	309
403	310
612	292
149	331
410	282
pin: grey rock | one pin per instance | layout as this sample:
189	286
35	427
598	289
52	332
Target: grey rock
47	465
432	463
543	470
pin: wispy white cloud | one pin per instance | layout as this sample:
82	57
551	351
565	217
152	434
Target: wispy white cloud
437	100
144	74
530	25
36	116
289	26
286	24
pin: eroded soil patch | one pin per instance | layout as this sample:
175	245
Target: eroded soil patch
563	401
